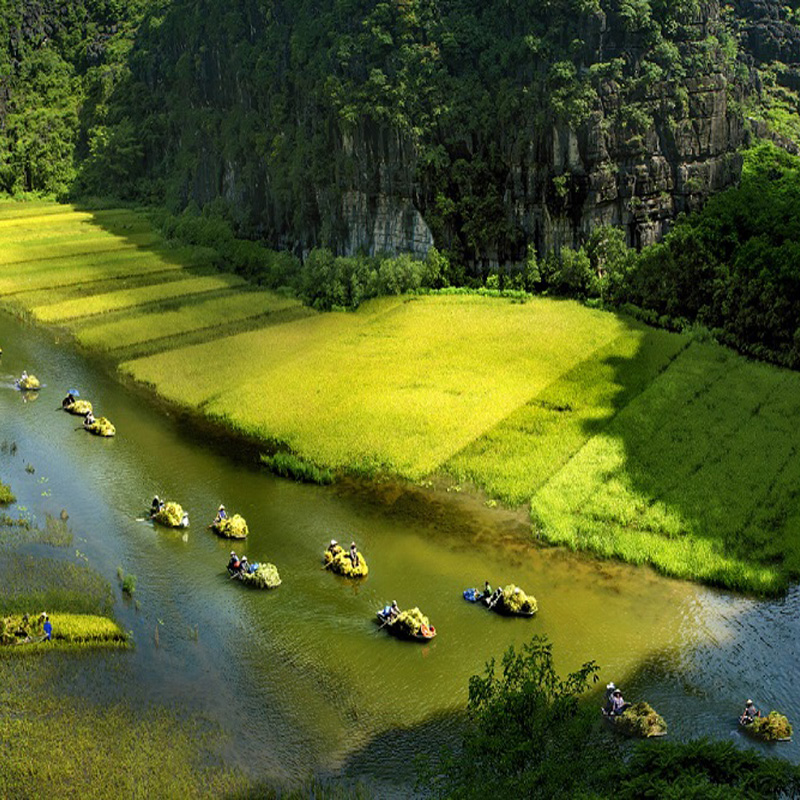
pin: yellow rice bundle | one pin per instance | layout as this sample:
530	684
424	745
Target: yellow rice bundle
233	527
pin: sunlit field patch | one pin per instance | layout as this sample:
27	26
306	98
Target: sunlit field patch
183	287
400	385
144	325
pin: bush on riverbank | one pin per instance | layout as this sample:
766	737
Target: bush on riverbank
289	465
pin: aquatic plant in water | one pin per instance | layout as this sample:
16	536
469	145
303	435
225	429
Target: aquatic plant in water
6	495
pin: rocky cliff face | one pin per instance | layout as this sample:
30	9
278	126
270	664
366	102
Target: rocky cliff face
312	136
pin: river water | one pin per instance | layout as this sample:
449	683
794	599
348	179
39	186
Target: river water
324	691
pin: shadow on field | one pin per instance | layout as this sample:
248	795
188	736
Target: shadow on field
695	470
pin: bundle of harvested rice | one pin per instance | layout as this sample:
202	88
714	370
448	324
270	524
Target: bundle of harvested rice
342	564
102	426
515	601
233	527
30	383
79	407
772	728
265	576
409	622
641	720
170	515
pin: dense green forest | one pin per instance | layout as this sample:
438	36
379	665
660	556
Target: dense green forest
520	146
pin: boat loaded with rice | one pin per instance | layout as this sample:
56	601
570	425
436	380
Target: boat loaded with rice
412	625
772	728
259	575
234	527
509	601
639	720
338	560
102	426
171	515
28	383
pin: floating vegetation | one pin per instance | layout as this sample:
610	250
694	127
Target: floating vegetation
515	601
640	720
172	515
6	495
772	728
30	469
30	383
233	527
288	465
101	427
342	564
80	408
264	576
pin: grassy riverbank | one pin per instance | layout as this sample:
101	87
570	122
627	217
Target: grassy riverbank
625	441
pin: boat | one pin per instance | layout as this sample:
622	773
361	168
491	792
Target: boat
171	515
102	426
411	625
772	728
28	383
510	601
339	561
80	408
234	527
639	720
258	575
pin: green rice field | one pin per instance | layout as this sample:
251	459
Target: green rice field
625	441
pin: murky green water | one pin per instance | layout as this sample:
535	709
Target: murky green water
324	690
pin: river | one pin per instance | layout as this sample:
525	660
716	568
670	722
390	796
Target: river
299	680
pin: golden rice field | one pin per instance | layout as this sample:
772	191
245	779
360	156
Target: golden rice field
623	440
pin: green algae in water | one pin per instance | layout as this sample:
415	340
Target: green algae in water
6	495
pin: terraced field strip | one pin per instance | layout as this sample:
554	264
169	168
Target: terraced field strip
525	449
680	477
184	286
403	384
24	253
145	325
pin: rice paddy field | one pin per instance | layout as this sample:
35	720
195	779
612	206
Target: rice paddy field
629	442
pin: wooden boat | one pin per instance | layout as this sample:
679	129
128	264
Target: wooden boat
752	731
30	383
341	564
423	634
171	515
258	575
233	527
498	606
101	427
80	408
616	721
